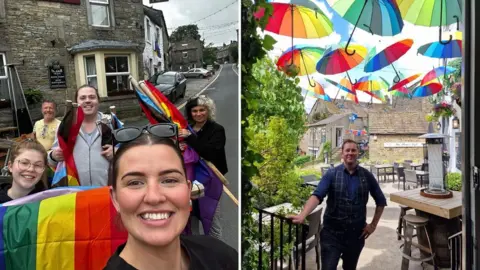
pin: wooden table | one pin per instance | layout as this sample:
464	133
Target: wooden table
444	221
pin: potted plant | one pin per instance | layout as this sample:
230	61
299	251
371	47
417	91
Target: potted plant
442	109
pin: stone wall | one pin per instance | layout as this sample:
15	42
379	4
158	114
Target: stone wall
379	153
39	32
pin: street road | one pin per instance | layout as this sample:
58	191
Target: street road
224	91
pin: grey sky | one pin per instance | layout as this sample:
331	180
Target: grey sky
218	29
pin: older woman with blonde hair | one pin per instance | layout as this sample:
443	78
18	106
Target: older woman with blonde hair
208	141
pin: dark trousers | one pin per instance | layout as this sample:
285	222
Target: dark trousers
336	244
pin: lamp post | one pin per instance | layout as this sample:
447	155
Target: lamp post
436	167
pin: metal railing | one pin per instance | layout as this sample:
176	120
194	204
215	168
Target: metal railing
275	248
455	247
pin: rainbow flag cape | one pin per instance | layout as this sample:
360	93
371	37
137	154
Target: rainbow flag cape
66	171
74	231
197	169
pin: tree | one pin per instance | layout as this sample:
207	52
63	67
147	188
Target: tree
209	54
185	32
234	52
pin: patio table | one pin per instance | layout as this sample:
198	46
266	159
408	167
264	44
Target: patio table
444	220
385	167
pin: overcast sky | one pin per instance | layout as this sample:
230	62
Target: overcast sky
218	28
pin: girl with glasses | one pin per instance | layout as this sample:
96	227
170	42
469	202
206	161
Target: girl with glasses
151	194
27	165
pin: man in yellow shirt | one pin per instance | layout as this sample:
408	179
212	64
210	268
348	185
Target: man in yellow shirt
45	129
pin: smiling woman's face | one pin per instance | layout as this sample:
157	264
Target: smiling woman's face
152	194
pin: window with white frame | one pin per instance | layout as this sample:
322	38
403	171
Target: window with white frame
100	12
147	28
3	78
116	71
91	71
157	35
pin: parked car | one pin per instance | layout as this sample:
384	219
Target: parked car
172	84
211	69
197	73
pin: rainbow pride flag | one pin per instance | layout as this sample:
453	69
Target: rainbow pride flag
75	231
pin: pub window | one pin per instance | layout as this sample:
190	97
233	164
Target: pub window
100	12
3	78
91	71
117	72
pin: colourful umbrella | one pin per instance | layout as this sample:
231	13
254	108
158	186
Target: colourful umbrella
427	90
389	55
438	49
432	13
304	57
435	73
404	82
297	21
401	92
338	60
373	86
306	3
319	92
380	17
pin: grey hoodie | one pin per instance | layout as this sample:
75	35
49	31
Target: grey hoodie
92	167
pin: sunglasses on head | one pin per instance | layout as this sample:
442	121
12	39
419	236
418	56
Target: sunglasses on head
162	130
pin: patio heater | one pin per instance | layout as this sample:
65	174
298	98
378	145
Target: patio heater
436	167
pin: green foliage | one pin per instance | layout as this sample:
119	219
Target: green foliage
454	181
33	96
234	52
300	160
326	148
309	171
189	31
209	54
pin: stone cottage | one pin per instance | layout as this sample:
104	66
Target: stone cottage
187	54
60	45
391	130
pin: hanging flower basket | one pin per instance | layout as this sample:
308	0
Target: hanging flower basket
442	109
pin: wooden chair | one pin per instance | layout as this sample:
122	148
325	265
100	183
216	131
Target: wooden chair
401	177
411	178
312	238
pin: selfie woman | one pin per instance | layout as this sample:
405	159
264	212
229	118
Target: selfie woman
151	194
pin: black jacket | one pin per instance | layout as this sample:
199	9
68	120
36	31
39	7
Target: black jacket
209	142
4	187
205	252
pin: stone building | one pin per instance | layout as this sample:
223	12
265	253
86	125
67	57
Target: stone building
155	55
224	53
392	130
83	41
187	54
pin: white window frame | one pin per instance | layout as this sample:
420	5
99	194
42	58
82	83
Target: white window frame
110	74
101	3
4	58
185	54
86	70
148	37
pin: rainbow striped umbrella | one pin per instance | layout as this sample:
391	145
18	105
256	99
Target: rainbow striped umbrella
339	61
436	73
432	13
401	92
379	17
297	21
319	92
373	86
427	90
346	86
304	57
404	82
452	49
388	56
305	3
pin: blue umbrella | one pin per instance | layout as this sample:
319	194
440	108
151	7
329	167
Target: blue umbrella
440	50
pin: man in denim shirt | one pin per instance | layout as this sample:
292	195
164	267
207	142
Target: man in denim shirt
344	227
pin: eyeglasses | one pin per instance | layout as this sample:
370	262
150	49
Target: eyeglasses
24	165
162	130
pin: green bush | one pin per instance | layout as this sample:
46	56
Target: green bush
33	96
300	160
454	181
310	171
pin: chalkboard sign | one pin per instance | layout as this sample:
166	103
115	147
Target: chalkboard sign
56	74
